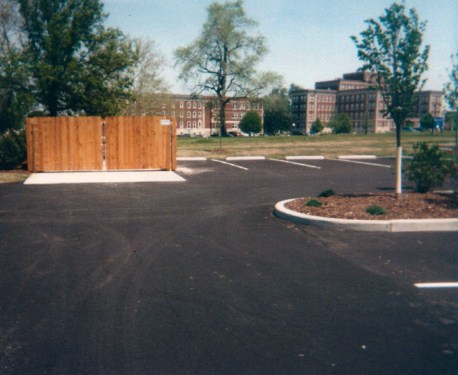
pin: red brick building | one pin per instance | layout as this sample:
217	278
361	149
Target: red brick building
195	116
354	95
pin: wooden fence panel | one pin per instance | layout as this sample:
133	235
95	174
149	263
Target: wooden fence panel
140	142
64	144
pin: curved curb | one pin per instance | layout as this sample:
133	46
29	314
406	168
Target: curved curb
403	225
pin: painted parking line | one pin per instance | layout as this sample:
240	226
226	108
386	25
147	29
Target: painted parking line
364	163
437	285
310	157
191	158
246	158
230	164
296	163
357	157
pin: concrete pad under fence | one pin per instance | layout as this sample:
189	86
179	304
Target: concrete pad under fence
102	177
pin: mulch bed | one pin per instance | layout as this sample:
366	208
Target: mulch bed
406	206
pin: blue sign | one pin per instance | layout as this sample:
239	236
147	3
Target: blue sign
438	122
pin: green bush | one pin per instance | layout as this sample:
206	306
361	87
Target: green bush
327	193
313	203
251	122
375	210
430	167
340	123
317	126
13	148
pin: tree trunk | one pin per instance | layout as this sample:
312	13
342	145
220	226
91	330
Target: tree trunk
398	160
222	118
399	170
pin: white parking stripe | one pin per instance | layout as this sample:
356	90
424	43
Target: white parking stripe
232	165
295	163
238	158
437	285
313	157
365	163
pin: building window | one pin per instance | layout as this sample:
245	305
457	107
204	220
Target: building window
194	105
189	105
194	114
194	124
188	124
181	105
181	124
234	106
199	124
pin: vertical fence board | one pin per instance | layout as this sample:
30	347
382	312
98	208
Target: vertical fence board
64	143
139	142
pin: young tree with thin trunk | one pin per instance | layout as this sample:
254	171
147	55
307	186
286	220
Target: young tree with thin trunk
222	61
391	48
451	94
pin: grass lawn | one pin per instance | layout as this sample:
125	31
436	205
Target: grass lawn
329	145
13	176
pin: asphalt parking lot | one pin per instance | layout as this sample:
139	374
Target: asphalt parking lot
198	277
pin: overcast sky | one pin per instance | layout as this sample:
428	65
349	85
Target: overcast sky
308	40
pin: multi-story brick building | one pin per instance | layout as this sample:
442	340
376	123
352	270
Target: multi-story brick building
355	96
195	116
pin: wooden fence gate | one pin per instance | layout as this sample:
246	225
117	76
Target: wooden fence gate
93	144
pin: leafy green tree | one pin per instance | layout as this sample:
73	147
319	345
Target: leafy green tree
293	87
451	119
15	101
75	64
391	48
222	60
317	126
13	148
251	122
340	123
451	94
277	111
427	122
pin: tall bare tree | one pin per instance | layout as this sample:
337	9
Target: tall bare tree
150	90
222	61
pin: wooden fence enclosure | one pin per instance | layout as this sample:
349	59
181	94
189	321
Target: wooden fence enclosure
95	144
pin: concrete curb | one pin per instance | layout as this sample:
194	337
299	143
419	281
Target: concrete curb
407	225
